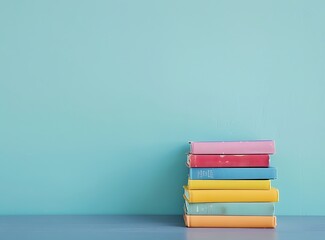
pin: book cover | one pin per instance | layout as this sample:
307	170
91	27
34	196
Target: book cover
230	209
230	221
232	147
229	184
232	173
197	196
213	160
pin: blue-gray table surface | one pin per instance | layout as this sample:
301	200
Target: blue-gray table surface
149	227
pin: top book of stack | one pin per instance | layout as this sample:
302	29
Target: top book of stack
240	147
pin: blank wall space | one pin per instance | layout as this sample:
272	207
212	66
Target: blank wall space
99	98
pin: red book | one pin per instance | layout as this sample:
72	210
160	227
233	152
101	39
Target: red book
228	161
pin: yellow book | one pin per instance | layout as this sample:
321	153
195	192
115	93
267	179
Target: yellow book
208	195
230	221
229	184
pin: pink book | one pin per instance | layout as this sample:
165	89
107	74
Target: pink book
239	147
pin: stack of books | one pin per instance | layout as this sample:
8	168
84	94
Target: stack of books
229	185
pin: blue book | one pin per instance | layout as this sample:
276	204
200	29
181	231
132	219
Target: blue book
232	173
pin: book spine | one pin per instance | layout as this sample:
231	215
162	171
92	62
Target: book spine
244	147
258	160
230	209
229	184
207	196
232	173
230	221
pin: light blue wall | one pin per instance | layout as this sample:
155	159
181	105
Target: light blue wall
99	98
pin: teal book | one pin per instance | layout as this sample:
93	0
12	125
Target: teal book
230	209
